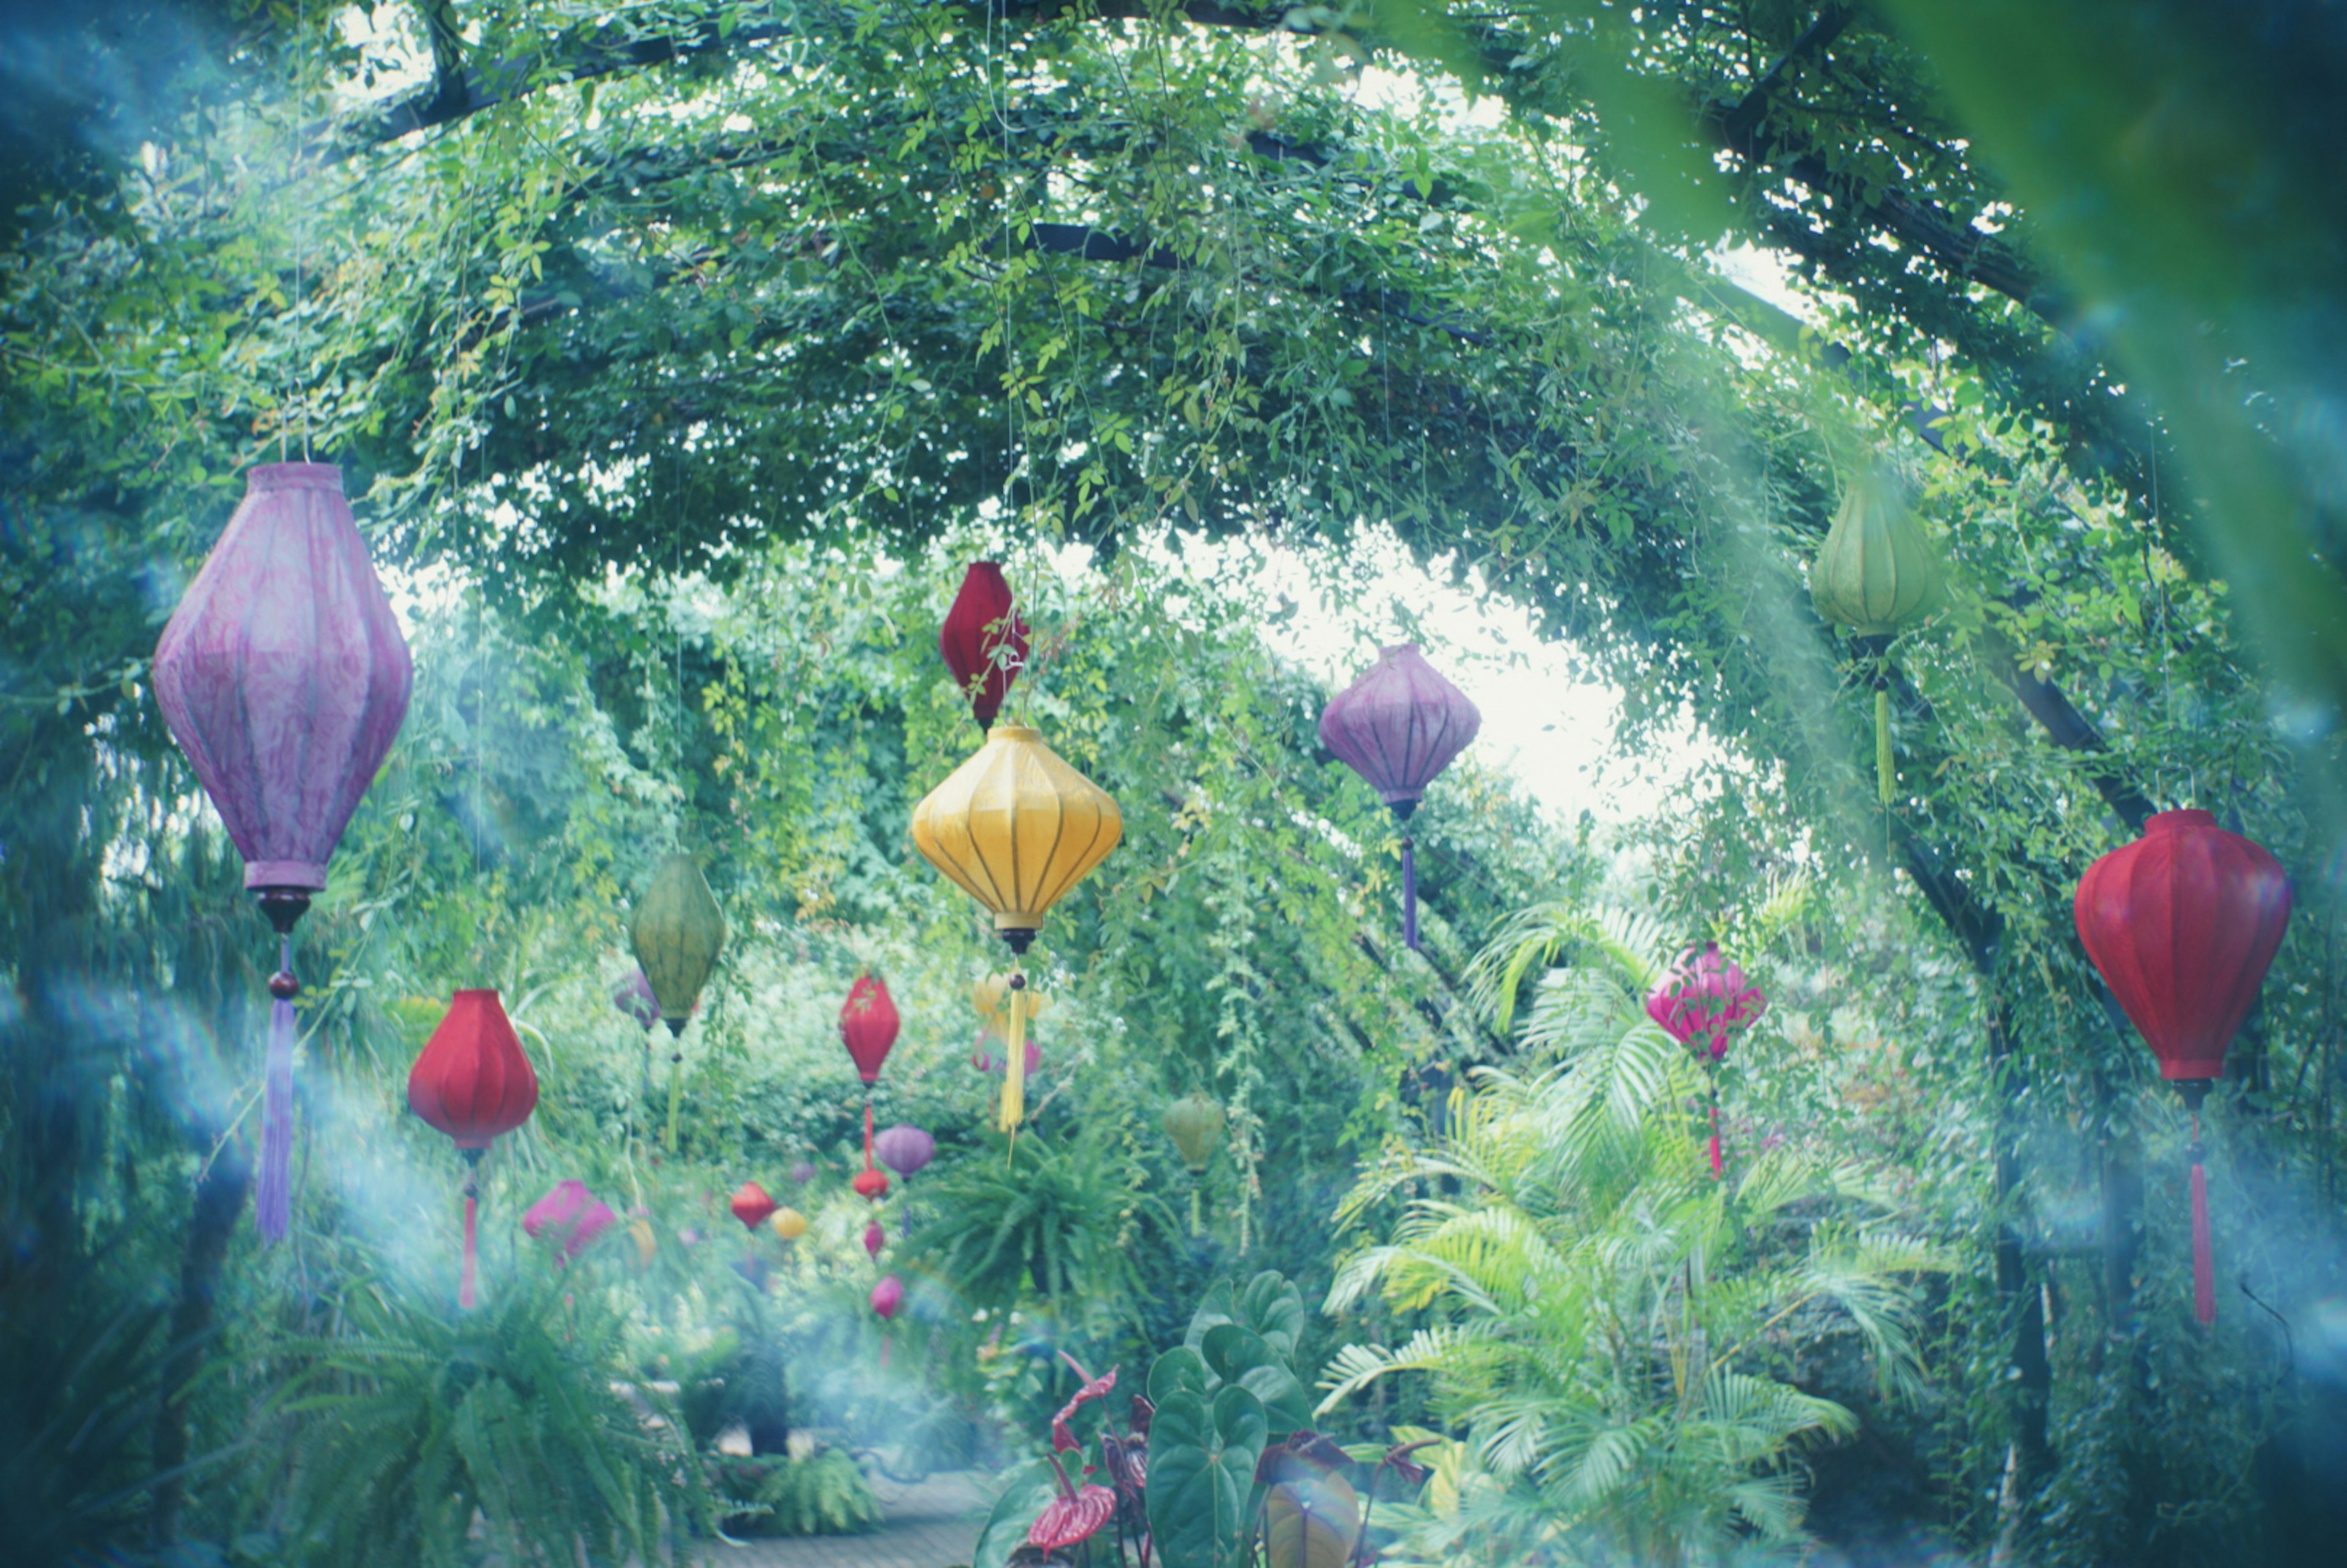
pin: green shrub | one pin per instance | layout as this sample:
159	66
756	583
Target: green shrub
826	1493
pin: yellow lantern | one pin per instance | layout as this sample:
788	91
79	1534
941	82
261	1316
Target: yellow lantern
991	997
1015	827
677	932
789	1224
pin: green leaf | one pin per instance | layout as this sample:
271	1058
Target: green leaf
1026	1494
1180	1370
1202	1462
1239	1355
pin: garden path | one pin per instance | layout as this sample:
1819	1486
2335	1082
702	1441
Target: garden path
931	1524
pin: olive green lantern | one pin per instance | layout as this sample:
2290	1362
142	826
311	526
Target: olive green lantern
677	931
1196	1123
1875	576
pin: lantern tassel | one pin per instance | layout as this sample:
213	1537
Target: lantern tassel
1014	1071
1197	1227
675	1088
273	1193
2204	1266
1719	1166
1885	770
1409	894
467	1294
867	1126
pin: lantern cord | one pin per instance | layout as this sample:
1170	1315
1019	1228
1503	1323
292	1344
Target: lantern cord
867	1126
1197	1224
1885	771
1719	1166
675	1087
273	1196
1014	1067
2204	1266
1409	894
466	1281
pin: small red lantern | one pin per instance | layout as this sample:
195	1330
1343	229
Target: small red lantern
2182	924
868	1026
983	640
473	1082
752	1208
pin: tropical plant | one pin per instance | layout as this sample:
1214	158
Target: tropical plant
1609	1322
413	1418
1217	1464
1067	1216
823	1493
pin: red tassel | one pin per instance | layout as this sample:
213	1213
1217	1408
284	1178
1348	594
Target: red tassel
465	1292
2204	1266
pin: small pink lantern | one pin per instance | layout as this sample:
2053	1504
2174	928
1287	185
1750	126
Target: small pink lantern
1700	1003
283	676
875	1238
570	1213
887	1297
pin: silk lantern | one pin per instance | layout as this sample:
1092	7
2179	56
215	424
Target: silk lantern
992	997
570	1215
868	1026
677	931
1196	1123
1876	575
905	1149
887	1298
2182	924
473	1082
789	1224
983	640
1398	727
283	676
875	1238
1016	828
752	1206
1700	1003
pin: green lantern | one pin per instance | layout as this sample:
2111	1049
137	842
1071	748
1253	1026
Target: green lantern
1196	1123
677	931
1875	576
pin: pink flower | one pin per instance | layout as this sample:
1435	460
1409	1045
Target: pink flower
571	1213
1063	1436
1071	1518
1703	1000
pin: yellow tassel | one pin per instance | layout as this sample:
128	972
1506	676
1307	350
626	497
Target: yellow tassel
1014	1071
1885	772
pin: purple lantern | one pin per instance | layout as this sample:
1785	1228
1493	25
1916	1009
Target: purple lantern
283	676
1398	726
803	1172
633	997
904	1148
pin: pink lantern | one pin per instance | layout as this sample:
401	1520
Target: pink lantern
1700	1003
633	997
887	1297
1398	726
570	1213
904	1148
284	677
982	1055
875	1238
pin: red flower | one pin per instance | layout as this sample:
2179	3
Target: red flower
1069	1519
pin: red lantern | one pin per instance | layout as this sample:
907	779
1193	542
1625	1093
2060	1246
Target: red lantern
473	1082
752	1208
2182	924
283	676
984	642
869	1025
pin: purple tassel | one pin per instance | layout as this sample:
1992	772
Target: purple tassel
1408	895
273	1198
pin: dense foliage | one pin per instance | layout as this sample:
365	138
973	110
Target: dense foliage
681	349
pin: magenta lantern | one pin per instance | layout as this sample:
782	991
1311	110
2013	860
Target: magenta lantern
283	676
1398	726
1700	1003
